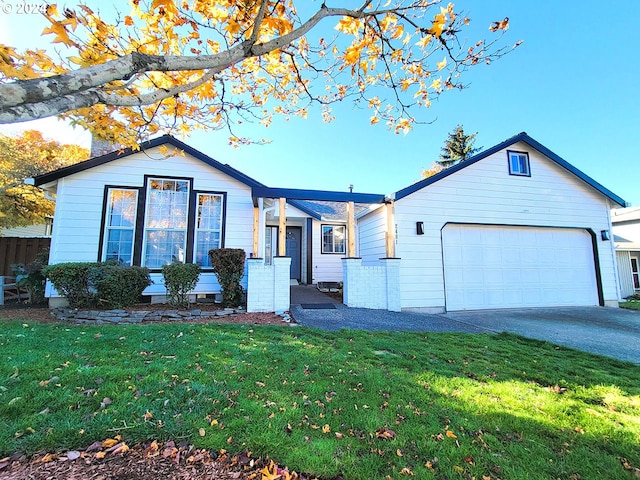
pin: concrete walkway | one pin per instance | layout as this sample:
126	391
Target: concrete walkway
613	332
326	313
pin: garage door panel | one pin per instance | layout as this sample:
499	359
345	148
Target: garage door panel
508	267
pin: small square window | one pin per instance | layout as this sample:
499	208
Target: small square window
519	163
333	238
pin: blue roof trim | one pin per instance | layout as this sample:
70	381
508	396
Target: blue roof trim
521	137
155	142
321	195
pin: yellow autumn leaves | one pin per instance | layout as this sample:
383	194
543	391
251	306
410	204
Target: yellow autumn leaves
255	59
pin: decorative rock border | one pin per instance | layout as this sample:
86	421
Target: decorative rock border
98	317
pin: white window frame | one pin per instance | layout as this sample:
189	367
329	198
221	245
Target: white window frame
333	240
519	163
109	228
179	251
204	261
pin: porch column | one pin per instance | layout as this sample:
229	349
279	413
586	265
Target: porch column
256	231
351	230
282	229
390	235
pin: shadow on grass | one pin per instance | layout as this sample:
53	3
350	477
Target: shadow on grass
457	405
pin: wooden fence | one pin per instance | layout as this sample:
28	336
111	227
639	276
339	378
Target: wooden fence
19	250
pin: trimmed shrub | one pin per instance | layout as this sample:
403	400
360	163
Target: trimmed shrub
119	286
228	265
180	279
72	281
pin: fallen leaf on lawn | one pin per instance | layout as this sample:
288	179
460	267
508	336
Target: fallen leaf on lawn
557	389
14	400
261	384
385	433
339	435
326	429
147	415
230	440
627	466
468	460
94	446
399	453
438	437
406	471
458	469
201	432
270	472
153	450
579	430
450	434
169	452
121	448
214	422
110	442
73	455
101	455
47	458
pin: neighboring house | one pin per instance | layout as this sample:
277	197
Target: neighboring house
30	231
626	235
514	226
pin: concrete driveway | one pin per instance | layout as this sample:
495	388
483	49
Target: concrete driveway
613	332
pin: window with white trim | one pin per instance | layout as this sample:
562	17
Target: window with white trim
120	224
208	232
519	163
333	238
165	223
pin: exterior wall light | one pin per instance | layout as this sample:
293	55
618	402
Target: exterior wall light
419	228
604	234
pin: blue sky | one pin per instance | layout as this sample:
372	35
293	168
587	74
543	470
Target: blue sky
573	85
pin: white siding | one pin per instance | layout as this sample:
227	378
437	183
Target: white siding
626	275
630	231
485	193
371	236
76	230
327	267
37	230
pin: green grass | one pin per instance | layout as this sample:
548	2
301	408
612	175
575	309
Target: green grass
631	305
499	406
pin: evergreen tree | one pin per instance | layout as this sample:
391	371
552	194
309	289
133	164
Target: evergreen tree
458	147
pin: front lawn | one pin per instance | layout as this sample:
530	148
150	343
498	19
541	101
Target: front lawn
362	405
631	305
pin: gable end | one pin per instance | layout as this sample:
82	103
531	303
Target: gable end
521	137
155	142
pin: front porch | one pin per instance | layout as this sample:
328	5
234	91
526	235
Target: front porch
269	274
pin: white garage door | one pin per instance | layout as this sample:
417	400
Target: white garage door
510	267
